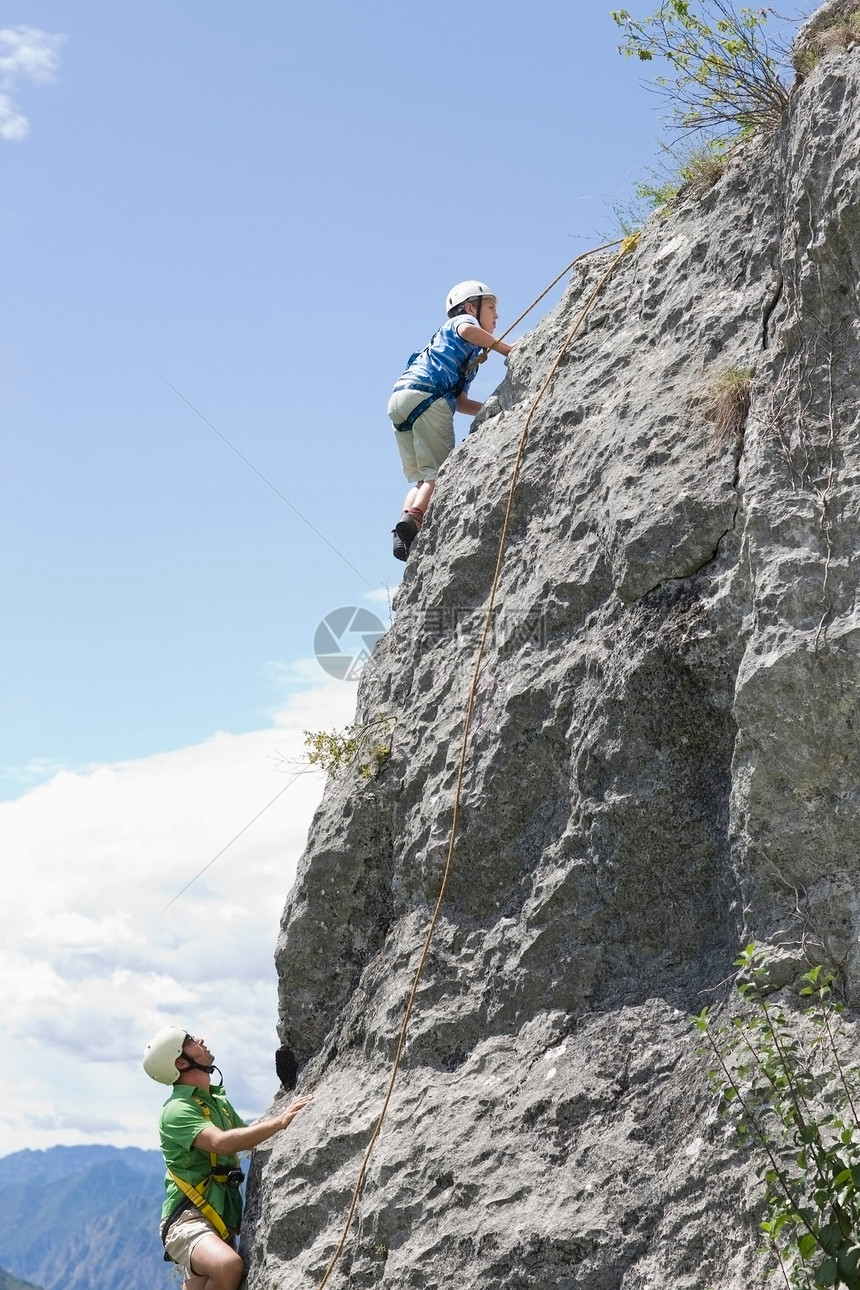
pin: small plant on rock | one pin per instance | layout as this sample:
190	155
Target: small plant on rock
691	170
725	74
366	745
783	1079
703	166
728	398
656	194
843	33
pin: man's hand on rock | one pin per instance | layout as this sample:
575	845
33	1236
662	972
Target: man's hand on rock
286	1117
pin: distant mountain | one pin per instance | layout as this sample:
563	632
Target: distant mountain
8	1282
59	1162
83	1218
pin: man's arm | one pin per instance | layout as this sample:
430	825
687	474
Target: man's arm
224	1142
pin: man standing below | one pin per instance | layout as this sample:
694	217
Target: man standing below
200	1136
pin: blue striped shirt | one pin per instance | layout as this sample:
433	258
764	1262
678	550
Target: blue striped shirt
439	366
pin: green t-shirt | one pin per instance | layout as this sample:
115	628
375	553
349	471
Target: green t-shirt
182	1118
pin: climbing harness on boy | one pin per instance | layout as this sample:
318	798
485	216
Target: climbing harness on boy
464	292
432	388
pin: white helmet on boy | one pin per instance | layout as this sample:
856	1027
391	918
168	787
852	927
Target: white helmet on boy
470	290
160	1054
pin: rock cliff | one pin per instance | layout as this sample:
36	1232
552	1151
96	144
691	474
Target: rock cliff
663	766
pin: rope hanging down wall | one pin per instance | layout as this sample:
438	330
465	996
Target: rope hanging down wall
627	246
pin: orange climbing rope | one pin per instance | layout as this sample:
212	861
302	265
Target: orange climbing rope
594	251
627	245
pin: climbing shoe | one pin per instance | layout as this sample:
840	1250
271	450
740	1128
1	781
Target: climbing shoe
405	532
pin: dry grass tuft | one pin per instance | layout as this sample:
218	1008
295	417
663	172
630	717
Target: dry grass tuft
844	34
728	399
701	170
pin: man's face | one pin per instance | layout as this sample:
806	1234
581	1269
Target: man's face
196	1049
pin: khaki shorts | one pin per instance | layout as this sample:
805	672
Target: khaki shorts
431	439
183	1235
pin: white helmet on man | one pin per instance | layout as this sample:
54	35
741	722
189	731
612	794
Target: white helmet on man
160	1054
470	290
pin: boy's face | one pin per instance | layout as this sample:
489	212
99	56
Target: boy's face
487	314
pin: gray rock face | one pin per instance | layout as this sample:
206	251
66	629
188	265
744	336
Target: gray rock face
663	766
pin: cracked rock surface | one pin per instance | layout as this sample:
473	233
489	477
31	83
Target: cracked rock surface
663	766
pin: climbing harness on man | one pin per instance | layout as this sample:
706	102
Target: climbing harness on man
159	1062
226	1171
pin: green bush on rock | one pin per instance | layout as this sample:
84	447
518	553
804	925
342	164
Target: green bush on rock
781	1075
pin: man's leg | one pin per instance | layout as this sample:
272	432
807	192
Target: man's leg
216	1265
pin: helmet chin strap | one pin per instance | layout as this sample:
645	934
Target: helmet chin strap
196	1066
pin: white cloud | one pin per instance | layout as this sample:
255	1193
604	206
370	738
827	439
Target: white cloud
384	596
92	967
26	54
94	1126
284	678
36	770
13	124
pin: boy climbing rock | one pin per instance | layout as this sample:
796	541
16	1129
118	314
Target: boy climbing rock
434	386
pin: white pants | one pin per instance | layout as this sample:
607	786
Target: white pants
424	447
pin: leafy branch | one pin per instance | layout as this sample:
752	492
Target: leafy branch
366	745
782	1079
725	72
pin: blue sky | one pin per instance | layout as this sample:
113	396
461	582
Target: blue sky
263	205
